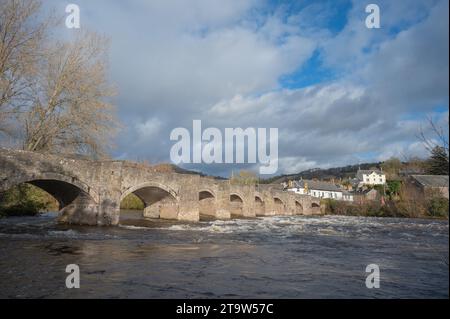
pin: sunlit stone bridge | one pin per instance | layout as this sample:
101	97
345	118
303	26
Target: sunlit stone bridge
89	192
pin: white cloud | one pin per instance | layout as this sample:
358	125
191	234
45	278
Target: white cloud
221	61
149	128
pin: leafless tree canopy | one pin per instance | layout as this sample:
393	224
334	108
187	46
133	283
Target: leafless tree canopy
439	138
55	93
20	40
69	109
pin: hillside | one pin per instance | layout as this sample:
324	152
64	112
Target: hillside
335	173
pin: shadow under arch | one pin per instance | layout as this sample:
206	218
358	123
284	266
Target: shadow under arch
206	193
298	208
133	189
259	206
207	204
65	189
280	207
236	205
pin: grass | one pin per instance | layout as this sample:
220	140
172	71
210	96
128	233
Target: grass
26	200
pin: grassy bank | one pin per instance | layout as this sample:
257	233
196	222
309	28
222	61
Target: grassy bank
434	207
26	200
132	202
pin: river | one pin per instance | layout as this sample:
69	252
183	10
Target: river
270	257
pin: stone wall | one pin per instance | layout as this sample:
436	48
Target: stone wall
89	192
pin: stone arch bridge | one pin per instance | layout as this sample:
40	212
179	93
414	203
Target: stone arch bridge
89	192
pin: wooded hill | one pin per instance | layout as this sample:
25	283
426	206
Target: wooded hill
335	173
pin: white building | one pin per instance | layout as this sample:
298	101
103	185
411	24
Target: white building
370	177
319	189
347	196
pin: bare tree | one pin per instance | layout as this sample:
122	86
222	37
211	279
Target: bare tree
438	162
69	109
21	37
440	138
55	94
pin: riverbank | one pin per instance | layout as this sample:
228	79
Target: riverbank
26	200
434	208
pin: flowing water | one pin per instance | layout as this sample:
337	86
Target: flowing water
271	257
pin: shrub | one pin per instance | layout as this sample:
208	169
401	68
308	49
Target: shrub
438	207
24	200
393	188
132	202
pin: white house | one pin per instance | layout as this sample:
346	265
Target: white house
347	196
370	177
319	189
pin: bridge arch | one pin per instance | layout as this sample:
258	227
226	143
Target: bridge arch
260	205
65	189
279	205
133	189
236	205
298	208
278	200
206	193
207	204
234	197
160	201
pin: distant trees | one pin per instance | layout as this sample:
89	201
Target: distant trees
347	184
244	178
55	94
391	167
132	202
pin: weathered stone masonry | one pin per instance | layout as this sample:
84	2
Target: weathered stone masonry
89	192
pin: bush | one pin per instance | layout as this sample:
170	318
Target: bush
23	209
26	200
438	207
334	207
393	188
132	202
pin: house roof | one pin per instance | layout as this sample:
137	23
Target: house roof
432	180
364	191
317	185
411	171
369	171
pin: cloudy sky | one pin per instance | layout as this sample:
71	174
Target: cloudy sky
338	92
